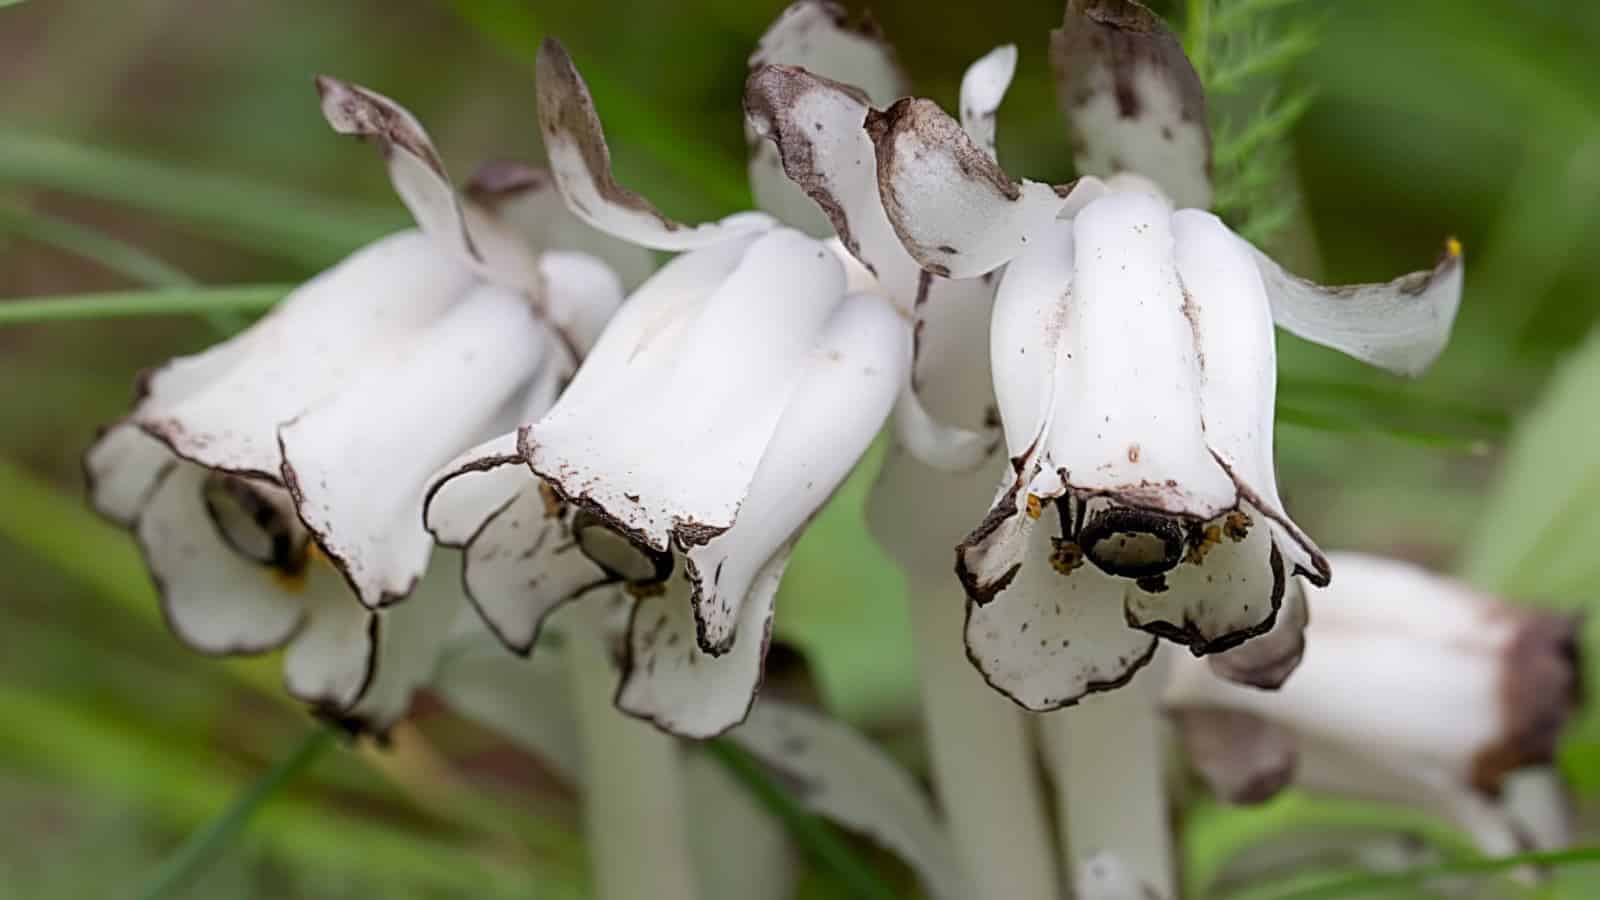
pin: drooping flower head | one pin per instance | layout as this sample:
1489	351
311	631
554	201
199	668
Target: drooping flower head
1134	371
275	481
721	407
1415	689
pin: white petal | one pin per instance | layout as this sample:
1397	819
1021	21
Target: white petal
358	465
415	168
668	680
124	464
982	88
523	564
955	210
581	296
1049	640
655	436
215	600
817	36
411	641
524	201
308	348
332	659
1104	877
1268	660
839	774
526	700
1030	311
944	447
581	163
471	488
846	392
950	373
1132	100
1226	591
1127	423
1235	342
816	126
988	558
1539	801
1401	325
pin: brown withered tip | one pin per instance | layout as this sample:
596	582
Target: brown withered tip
1245	759
1128	15
1540	688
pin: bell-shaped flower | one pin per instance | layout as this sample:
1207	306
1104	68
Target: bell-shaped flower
1135	375
275	481
716	414
1415	689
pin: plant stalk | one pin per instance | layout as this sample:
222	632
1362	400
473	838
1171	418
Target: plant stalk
634	807
1108	760
983	759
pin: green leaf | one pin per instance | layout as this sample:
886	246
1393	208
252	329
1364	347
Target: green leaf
202	847
816	837
127	304
1368	885
267	219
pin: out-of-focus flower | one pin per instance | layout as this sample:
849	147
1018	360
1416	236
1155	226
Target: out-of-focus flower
275	481
1415	689
718	411
1135	375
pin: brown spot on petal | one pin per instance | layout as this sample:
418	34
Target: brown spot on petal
1236	525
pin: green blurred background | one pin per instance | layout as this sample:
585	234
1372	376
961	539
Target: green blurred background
191	129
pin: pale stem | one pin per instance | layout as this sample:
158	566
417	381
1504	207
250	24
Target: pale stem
1108	759
984	766
634	806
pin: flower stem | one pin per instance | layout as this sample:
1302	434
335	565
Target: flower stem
983	759
1110	771
203	846
634	809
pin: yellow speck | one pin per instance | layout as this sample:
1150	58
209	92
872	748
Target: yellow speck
1035	506
1452	247
1236	526
1209	538
291	576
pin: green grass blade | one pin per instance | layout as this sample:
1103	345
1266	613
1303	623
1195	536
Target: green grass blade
853	874
262	218
1365	885
203	846
127	304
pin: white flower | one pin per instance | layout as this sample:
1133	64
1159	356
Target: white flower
1134	370
1415	689
716	414
275	480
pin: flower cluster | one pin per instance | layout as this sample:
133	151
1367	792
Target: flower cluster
1094	362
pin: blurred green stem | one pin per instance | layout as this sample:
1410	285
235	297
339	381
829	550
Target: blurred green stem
203	846
267	219
1367	885
124	304
127	260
